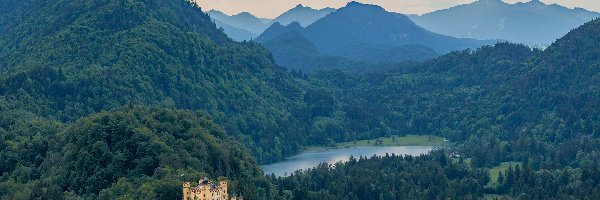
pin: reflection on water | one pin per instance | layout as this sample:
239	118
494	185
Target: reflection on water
308	160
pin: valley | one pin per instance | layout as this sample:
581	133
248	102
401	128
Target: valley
118	99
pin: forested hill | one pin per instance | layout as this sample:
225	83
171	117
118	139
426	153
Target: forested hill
89	31
68	59
64	60
131	151
565	78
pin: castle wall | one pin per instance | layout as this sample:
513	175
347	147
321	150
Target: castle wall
205	191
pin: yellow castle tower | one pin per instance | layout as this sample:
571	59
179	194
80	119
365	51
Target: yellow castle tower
206	190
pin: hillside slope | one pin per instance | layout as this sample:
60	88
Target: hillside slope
103	55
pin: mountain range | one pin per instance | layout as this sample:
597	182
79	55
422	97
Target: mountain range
532	22
244	21
245	26
303	15
361	32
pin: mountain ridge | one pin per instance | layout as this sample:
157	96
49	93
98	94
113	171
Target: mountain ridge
532	22
367	33
303	15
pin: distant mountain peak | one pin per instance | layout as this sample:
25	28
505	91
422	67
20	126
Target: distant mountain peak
295	25
245	14
214	11
358	5
536	3
275	25
495	2
303	14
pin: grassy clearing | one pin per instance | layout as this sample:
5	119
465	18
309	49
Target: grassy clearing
408	140
501	168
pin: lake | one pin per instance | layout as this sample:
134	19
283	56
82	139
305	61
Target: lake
309	159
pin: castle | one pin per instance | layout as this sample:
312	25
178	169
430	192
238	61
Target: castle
206	190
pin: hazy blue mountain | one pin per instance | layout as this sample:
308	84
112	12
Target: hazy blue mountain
533	22
292	50
362	32
303	15
235	33
245	26
244	21
361	24
277	29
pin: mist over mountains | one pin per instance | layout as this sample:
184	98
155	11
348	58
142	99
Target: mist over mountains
532	22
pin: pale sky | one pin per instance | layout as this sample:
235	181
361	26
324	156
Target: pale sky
273	8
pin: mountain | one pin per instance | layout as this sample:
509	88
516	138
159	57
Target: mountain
244	21
532	22
358	23
245	26
277	29
67	65
104	55
293	50
367	33
303	15
235	33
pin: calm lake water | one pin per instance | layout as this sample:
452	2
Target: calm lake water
310	159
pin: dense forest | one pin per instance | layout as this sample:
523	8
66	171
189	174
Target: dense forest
431	176
115	98
143	152
171	57
434	176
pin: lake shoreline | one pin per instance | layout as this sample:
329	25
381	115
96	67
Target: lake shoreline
390	141
307	160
